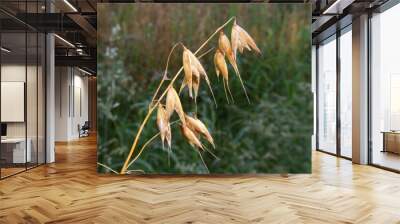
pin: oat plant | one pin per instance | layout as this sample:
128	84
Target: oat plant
168	102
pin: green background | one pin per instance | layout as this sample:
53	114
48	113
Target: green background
270	135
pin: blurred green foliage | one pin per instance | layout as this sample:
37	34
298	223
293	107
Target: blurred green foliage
270	135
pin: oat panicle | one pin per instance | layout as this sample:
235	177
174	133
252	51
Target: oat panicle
192	128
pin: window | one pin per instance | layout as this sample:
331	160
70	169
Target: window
385	89
346	92
327	95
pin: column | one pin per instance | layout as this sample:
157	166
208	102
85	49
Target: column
360	90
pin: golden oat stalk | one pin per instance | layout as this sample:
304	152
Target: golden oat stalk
194	71
152	108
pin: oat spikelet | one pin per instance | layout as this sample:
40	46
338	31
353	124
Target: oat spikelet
225	46
170	103
174	104
241	39
188	68
193	141
191	137
201	72
222	68
216	68
163	125
196	70
196	86
220	64
235	40
199	127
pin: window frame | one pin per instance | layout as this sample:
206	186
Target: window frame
339	32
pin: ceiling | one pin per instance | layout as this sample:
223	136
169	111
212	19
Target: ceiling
76	22
332	15
19	54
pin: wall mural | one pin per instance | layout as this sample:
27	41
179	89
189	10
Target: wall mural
204	88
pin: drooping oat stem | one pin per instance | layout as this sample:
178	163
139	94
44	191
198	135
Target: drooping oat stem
136	171
202	160
226	95
107	167
165	74
146	144
212	35
151	109
209	151
244	88
208	51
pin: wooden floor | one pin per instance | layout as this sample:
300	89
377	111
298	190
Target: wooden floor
70	191
10	171
387	159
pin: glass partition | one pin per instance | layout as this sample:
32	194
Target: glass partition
327	95
385	89
22	101
14	153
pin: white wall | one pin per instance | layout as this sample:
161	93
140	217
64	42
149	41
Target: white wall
71	102
33	127
80	109
13	100
11	73
62	81
16	73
